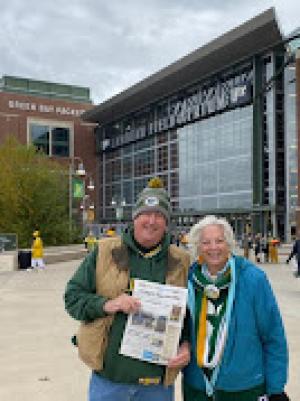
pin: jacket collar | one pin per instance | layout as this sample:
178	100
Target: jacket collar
120	253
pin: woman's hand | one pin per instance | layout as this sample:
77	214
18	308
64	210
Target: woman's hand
123	303
182	358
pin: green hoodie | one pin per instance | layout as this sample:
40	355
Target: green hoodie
82	303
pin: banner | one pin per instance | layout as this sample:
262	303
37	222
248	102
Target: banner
77	187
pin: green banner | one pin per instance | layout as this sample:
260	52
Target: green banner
77	187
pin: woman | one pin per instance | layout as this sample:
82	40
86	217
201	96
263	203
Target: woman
239	350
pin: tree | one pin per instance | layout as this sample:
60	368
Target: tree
33	194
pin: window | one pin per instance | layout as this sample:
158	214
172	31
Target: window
60	141
52	139
40	137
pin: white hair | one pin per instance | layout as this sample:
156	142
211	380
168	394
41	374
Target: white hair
196	231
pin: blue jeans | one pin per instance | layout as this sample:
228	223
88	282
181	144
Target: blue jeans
105	390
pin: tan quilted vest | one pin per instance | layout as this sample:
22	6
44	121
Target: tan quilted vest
112	276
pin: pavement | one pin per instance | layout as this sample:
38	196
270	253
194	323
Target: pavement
37	359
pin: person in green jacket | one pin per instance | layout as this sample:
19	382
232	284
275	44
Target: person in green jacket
99	295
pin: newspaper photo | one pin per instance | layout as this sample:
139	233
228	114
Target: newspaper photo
152	334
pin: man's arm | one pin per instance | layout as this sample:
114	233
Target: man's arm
81	300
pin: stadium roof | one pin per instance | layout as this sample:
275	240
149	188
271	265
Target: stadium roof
253	37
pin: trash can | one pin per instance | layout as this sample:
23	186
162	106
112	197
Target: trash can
24	259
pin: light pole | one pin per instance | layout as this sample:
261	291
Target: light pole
87	207
119	208
77	189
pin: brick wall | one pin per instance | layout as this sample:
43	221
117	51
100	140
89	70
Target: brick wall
17	109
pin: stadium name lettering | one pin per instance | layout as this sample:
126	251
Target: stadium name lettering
203	102
44	108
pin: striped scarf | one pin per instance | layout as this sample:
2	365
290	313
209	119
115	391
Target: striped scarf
211	327
211	306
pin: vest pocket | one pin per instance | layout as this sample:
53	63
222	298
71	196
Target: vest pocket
92	341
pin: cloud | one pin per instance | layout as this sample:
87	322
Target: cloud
109	46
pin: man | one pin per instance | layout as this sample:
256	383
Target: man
295	252
257	247
99	295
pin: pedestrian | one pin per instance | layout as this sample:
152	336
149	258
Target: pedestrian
111	232
238	344
265	248
90	241
98	294
245	245
257	248
295	252
37	252
273	249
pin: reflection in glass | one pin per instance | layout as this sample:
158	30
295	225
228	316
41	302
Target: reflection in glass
215	162
39	135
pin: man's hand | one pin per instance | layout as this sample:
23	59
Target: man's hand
182	358
123	303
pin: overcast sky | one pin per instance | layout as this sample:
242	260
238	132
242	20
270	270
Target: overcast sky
110	45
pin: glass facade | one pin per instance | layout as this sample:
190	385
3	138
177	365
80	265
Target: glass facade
291	151
206	165
217	146
215	162
198	141
52	139
269	115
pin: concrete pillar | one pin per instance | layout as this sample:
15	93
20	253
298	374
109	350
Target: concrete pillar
298	134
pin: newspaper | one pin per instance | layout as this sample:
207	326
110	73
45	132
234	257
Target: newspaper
152	334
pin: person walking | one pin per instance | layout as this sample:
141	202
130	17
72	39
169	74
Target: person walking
37	252
245	245
99	295
265	248
273	249
257	248
238	344
295	252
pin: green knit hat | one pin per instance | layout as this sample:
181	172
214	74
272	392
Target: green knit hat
153	198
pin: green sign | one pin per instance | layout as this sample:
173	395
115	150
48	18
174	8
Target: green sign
8	242
77	187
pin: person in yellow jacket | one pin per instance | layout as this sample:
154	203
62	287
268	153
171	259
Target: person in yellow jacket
273	249
37	252
90	241
110	232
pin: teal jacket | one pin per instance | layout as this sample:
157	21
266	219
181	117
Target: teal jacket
256	348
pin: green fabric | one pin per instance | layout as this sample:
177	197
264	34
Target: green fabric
214	320
221	281
192	394
81	300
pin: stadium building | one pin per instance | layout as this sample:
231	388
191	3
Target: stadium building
212	126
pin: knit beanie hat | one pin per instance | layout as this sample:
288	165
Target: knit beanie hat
153	198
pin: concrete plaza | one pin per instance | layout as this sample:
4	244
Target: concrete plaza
37	359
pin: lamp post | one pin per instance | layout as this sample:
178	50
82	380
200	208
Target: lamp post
119	206
87	207
77	182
